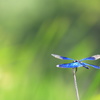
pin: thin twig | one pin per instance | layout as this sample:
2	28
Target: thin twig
75	83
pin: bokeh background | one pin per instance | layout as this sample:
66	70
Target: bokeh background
30	31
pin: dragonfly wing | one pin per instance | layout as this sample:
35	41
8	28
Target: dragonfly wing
97	67
84	65
70	65
95	57
61	57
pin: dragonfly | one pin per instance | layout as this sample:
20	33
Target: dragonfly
77	63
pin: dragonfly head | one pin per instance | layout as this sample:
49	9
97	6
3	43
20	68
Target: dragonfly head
76	60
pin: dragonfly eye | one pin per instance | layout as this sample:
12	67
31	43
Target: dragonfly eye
76	61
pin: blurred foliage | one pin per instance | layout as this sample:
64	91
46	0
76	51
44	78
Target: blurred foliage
30	31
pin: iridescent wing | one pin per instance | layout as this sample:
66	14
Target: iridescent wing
84	65
61	57
95	57
70	65
97	67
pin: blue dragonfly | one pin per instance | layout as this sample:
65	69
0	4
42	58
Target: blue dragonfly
77	63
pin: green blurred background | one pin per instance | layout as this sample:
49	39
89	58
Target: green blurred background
30	31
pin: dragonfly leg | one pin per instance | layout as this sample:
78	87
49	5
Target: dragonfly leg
75	69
